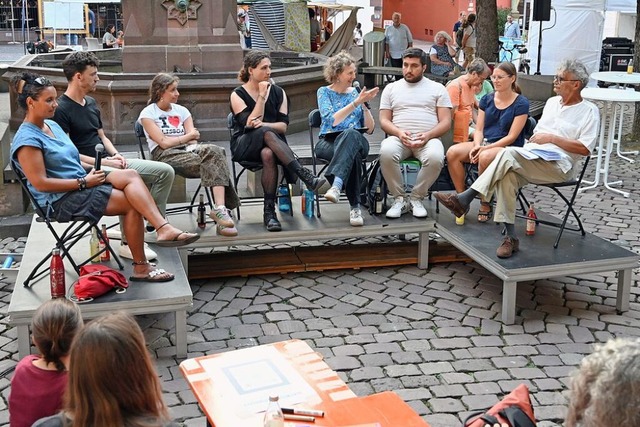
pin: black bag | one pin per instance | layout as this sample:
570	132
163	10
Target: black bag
370	184
459	35
514	410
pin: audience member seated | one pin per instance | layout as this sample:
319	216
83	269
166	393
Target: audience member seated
173	138
415	112
261	116
51	164
461	91
501	121
567	129
604	390
442	54
109	40
345	113
112	379
79	117
39	381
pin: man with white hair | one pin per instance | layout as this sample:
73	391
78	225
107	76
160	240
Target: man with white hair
398	38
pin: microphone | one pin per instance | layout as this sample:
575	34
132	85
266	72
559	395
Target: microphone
99	151
356	85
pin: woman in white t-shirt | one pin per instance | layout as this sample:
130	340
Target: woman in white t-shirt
173	139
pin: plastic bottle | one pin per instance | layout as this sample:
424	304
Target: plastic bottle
283	198
56	275
8	262
531	221
106	255
273	417
202	213
94	246
309	197
630	66
377	197
460	220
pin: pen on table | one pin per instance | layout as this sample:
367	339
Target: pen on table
291	417
300	411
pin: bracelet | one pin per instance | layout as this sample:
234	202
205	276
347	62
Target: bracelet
260	96
82	184
115	154
354	105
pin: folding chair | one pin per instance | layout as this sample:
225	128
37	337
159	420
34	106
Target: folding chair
247	166
78	228
142	143
562	225
315	120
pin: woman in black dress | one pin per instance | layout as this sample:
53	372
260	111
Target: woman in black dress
261	116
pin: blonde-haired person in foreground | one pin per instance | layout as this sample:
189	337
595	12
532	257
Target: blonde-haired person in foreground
605	391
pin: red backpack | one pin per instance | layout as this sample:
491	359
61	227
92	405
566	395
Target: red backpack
514	409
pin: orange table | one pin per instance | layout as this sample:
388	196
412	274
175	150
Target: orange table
232	389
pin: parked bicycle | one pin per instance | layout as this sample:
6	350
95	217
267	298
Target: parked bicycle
524	65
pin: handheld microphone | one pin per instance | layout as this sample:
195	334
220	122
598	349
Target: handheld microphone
356	85
99	151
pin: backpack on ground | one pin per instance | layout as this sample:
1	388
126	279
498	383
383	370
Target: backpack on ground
514	410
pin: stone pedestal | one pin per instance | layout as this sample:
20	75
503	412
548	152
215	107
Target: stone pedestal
156	42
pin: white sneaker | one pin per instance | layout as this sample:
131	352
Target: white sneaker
125	252
418	208
220	214
114	233
332	195
355	217
398	208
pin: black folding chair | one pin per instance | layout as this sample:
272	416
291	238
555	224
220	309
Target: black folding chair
78	228
315	120
142	143
246	166
562	225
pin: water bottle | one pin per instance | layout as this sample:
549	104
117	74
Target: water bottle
309	197
8	262
94	246
202	213
273	417
283	198
630	66
56	275
104	242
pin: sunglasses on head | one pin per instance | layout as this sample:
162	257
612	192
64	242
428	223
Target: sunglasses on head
42	81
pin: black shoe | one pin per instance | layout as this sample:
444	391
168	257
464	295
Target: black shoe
271	221
311	181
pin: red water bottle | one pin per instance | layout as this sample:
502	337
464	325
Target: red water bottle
531	221
106	255
56	275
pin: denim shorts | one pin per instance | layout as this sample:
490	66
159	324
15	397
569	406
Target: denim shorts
90	203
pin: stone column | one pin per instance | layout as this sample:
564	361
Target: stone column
161	38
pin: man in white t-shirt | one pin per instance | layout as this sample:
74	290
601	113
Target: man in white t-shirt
568	129
415	112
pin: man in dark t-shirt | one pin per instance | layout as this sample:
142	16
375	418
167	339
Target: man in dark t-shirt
79	116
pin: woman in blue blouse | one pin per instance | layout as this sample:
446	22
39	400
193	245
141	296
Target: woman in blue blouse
344	115
500	123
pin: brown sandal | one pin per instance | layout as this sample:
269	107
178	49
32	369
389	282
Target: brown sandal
485	215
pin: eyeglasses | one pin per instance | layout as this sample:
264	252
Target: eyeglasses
41	81
498	78
561	79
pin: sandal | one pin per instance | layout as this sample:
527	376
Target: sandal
176	241
155	275
485	215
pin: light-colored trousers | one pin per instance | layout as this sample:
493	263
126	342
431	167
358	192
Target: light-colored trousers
507	173
431	155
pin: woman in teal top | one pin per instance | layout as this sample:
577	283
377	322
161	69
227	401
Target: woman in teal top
345	114
60	184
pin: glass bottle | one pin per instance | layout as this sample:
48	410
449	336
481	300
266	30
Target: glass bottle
630	66
378	201
202	213
105	255
56	275
531	221
94	246
273	417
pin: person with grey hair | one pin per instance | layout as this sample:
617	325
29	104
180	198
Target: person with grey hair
345	114
604	389
568	129
397	38
441	55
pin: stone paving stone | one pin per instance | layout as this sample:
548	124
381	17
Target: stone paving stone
442	420
455	390
480	402
445	405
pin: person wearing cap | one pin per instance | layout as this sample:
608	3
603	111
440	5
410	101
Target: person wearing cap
243	29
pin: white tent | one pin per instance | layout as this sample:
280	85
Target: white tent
574	31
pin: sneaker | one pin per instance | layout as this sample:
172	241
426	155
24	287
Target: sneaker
125	252
114	233
418	208
333	195
398	208
220	214
355	218
226	231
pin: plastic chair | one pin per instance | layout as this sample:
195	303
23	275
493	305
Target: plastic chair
142	143
78	228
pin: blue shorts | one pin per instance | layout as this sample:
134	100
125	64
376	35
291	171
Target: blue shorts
90	203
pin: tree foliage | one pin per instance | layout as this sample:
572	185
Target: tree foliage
487	28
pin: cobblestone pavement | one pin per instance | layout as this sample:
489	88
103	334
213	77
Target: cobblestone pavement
433	336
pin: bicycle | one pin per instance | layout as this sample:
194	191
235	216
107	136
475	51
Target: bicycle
524	66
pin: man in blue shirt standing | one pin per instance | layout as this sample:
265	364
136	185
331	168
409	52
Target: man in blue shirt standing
398	38
511	28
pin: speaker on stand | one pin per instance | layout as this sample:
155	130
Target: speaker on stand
541	12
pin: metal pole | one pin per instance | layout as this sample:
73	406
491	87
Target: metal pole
13	20
539	50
